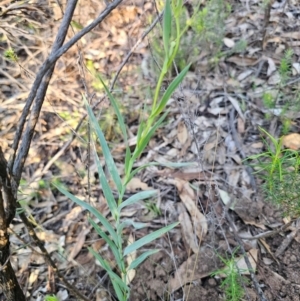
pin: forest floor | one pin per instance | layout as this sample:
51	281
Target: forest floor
213	124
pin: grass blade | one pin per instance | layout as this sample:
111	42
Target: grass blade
92	210
148	238
135	263
106	189
137	197
106	152
175	83
119	286
111	244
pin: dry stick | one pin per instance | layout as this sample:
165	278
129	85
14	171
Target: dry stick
250	269
40	95
268	233
38	90
8	280
240	149
15	166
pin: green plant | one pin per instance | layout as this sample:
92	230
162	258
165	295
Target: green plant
233	280
153	208
205	31
279	170
277	101
11	55
51	298
112	232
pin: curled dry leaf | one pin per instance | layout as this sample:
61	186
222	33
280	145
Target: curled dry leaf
188	198
291	141
187	229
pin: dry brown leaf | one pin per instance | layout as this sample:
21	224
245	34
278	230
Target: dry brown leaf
182	133
78	244
194	268
221	154
236	105
233	177
33	276
268	249
271	66
291	141
209	149
188	198
243	61
241	263
241	125
136	184
187	229
71	216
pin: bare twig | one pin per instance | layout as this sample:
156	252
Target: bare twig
268	233
288	239
14	164
240	149
8	280
20	153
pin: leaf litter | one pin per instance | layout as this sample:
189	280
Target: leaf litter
198	131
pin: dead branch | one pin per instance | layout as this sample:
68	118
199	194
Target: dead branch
10	174
17	161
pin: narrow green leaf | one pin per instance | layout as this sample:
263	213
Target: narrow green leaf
106	152
137	197
148	238
143	142
106	189
119	286
92	210
167	24
135	263
101	260
111	244
127	160
136	225
171	88
140	130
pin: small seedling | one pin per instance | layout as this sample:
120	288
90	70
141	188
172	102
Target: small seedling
11	55
279	170
233	282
